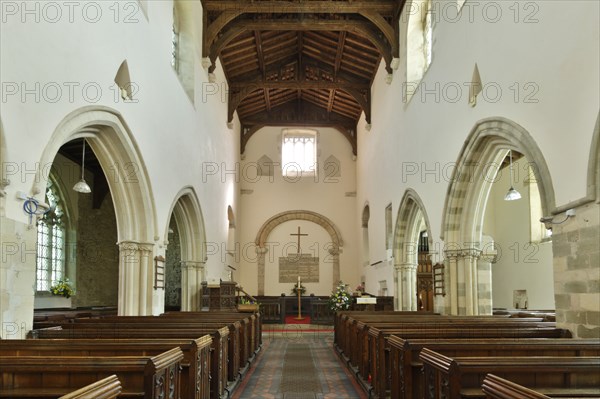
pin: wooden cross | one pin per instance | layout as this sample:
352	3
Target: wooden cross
298	234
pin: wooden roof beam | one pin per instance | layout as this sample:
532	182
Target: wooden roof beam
250	86
340	51
388	7
362	28
259	52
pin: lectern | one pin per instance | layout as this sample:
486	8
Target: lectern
219	296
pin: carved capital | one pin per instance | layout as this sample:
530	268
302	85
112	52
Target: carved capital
405	267
192	264
463	253
261	250
128	246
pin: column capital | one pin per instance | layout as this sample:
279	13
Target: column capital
261	250
463	253
406	266
192	264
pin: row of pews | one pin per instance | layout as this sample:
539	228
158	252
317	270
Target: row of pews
198	355
410	355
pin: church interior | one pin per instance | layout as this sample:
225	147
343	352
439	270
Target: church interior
426	161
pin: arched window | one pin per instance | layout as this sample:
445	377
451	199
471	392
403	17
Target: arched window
299	153
183	39
50	258
419	44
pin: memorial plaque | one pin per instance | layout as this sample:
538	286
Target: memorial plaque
304	265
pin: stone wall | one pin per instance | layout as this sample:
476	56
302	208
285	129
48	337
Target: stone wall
173	268
576	246
97	280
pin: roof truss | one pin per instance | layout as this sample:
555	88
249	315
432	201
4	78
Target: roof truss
302	55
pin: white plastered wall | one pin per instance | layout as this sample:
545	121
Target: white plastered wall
415	145
54	66
331	197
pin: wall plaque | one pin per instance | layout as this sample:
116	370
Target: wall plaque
304	265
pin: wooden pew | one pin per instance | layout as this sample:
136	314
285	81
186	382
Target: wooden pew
352	330
359	341
252	327
50	377
107	388
195	365
237	338
405	366
498	388
219	345
377	345
462	377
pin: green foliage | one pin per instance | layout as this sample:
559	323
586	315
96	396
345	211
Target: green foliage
295	289
62	288
340	298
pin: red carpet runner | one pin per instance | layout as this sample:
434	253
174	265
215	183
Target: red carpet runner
292	320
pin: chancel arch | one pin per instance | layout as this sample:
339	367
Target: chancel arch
187	225
412	225
468	263
334	248
594	165
113	144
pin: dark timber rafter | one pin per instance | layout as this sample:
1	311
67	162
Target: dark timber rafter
361	28
321	75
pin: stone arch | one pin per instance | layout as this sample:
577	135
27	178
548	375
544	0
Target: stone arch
593	175
466	199
188	216
411	216
117	151
267	227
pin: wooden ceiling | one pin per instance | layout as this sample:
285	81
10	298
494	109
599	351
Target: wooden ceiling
300	62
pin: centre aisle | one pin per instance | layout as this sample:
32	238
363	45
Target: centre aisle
299	366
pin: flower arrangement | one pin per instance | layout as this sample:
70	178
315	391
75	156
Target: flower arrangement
295	289
62	288
248	301
340	298
360	288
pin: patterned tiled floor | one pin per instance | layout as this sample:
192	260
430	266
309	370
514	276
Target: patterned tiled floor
291	355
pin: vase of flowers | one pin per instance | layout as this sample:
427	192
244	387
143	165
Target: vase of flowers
62	288
247	305
360	289
340	298
295	289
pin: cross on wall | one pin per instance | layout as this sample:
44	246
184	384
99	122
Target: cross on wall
298	234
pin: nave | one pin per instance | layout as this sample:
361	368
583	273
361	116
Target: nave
225	355
298	362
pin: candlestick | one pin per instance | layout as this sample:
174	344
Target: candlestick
298	281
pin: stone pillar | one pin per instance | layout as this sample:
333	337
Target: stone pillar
261	252
192	275
17	277
484	277
335	256
407	286
136	275
399	288
577	272
463	285
472	284
452	282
